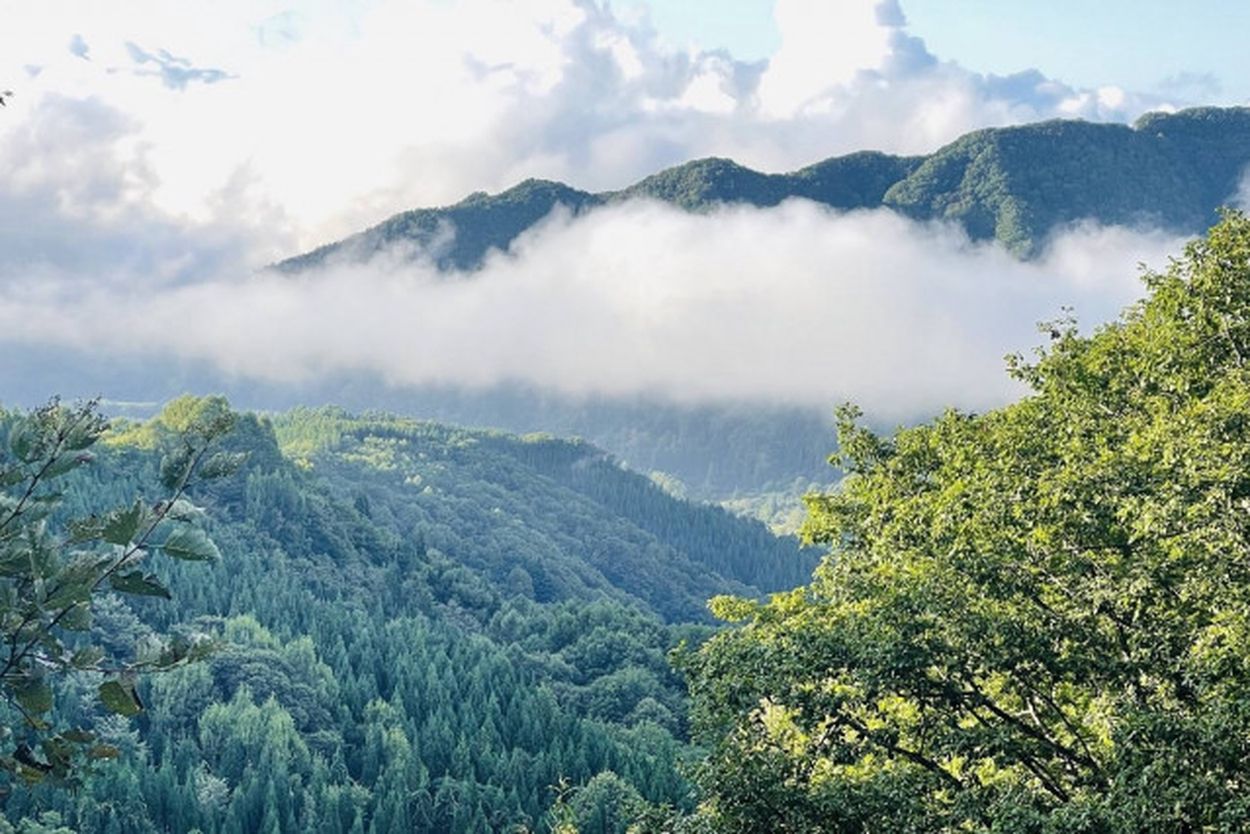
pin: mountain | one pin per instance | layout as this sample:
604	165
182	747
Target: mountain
459	236
561	517
716	450
424	628
1016	185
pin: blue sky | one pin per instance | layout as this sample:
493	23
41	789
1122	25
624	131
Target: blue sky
1145	45
744	27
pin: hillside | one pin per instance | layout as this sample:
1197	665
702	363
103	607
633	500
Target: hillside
559	517
1015	185
459	236
424	629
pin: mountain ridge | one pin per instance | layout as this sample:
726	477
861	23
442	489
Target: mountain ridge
1015	184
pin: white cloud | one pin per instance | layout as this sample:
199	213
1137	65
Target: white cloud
137	196
788	305
1241	199
823	45
337	115
81	206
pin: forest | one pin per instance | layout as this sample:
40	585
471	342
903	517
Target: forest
414	627
1033	619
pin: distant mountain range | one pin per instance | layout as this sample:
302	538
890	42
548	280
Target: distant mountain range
1016	185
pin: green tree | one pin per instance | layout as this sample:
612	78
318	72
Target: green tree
1032	620
53	568
607	804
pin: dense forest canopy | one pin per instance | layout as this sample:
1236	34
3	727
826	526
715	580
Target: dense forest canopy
417	627
1035	619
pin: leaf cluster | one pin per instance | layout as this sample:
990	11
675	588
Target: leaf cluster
1035	619
54	566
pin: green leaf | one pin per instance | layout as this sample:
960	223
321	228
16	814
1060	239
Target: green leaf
77	618
191	544
82	435
120	698
34	695
174	467
29	768
88	657
66	463
139	584
120	526
84	529
51	645
59	754
183	510
30	775
70	589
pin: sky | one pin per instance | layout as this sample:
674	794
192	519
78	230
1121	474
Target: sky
1147	45
159	155
313	119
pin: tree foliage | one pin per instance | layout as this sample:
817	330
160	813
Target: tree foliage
54	568
1031	620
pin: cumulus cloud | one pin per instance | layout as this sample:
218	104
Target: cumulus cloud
794	305
340	114
824	45
80	207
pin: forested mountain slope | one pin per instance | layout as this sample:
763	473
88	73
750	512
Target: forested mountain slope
716	450
424	629
1014	184
559	517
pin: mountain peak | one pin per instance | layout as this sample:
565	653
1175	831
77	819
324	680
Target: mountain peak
1017	185
703	183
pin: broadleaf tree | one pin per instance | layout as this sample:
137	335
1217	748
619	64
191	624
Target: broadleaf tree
53	568
1035	619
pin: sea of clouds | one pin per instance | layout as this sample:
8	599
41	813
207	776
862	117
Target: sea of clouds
795	304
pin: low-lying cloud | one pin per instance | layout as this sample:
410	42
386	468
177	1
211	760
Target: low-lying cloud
1241	199
795	304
